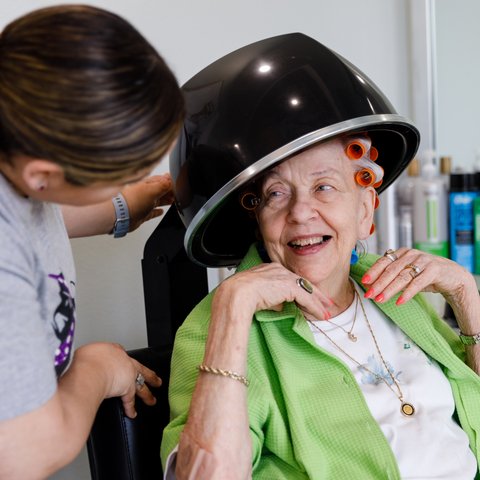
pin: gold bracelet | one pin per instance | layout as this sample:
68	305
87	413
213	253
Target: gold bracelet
225	373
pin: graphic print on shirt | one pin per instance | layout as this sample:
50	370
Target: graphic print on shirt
63	324
380	372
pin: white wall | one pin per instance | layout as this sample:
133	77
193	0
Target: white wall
458	73
373	34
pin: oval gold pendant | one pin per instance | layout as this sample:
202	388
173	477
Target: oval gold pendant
408	409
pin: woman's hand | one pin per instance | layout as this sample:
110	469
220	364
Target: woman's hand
412	271
145	198
267	287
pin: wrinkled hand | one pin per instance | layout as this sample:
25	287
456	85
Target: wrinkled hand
389	276
268	286
121	373
144	198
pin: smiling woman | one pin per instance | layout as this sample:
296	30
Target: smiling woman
332	368
318	183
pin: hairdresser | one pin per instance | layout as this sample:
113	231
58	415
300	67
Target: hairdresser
87	110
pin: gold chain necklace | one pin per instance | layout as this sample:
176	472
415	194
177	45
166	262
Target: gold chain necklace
406	408
349	333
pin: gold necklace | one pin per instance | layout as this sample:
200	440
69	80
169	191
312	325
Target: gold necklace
406	408
349	333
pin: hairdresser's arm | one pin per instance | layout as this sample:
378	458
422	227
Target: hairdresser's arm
36	444
143	198
216	442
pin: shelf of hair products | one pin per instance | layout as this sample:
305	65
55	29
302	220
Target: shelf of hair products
438	208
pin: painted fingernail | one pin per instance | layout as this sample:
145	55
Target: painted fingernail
366	279
327	316
370	293
400	301
380	298
331	301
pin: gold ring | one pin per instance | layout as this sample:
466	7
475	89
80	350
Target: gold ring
390	254
415	270
305	284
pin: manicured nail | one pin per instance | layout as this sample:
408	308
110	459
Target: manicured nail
380	298
327	316
370	293
366	279
400	300
331	301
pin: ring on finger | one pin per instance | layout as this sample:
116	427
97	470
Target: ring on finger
305	284
415	270
390	254
139	381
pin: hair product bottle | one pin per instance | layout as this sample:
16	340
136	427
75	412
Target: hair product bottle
476	230
405	192
430	204
463	191
445	170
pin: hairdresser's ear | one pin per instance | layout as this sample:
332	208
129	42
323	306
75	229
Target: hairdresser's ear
42	174
366	211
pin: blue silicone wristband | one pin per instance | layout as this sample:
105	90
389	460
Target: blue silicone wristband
122	221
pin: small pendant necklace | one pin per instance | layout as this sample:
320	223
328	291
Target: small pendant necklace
349	333
406	408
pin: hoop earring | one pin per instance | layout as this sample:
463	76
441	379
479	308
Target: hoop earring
358	252
249	201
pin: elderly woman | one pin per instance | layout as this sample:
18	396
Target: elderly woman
308	364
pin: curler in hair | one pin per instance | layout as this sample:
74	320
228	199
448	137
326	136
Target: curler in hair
356	150
365	177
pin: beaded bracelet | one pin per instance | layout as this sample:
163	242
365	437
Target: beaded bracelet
225	373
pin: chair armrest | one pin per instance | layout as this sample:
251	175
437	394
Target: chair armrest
125	449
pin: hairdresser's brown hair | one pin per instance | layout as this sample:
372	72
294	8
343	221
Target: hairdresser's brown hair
82	87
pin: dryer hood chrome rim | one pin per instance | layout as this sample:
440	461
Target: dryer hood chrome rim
213	203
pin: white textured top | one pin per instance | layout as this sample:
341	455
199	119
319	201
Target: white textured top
428	445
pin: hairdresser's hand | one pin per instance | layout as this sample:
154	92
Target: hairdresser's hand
118	373
145	198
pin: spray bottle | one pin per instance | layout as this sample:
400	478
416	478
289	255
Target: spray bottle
463	191
405	192
430	223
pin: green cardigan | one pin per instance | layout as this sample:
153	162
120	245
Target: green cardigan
308	416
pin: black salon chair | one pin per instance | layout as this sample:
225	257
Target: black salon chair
120	448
